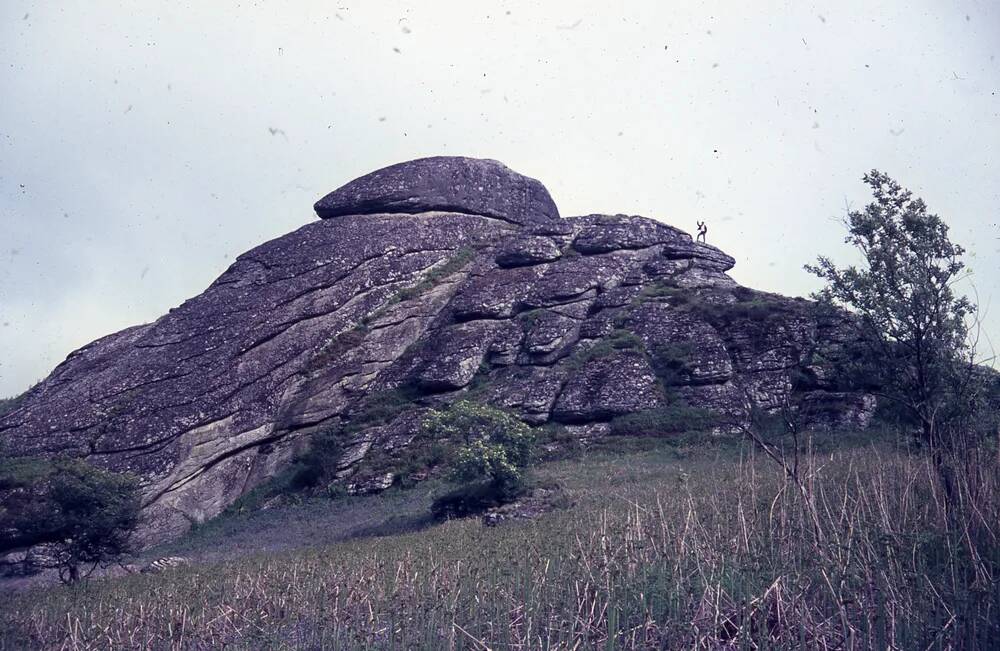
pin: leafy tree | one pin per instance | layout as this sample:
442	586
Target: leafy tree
82	515
494	448
913	342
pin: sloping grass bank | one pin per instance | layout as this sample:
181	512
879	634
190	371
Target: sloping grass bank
711	550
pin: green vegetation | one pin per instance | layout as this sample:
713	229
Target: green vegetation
670	362
84	515
746	305
529	317
492	450
318	466
620	339
785	540
454	264
313	471
675	418
660	289
8	405
353	337
912	329
337	346
382	407
707	551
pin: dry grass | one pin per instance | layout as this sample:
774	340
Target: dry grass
715	551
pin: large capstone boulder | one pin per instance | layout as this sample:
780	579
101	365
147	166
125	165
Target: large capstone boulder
444	183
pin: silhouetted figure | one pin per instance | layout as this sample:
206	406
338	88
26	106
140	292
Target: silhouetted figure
702	230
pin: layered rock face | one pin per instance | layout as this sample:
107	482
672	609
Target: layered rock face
424	283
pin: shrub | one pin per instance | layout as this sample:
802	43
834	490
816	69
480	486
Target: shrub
469	499
494	448
317	465
312	471
670	362
84	515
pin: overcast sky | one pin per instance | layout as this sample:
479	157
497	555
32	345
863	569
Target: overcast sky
144	145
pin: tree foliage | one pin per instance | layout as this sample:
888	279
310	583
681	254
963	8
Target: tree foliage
493	449
914	337
319	464
82	515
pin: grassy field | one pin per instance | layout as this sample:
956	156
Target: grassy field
664	548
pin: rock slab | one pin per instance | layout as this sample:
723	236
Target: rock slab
443	183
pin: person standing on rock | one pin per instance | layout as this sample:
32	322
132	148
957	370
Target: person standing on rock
702	230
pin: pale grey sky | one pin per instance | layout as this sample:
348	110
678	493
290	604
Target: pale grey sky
143	145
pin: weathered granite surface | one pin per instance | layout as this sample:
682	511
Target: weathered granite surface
445	183
439	278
